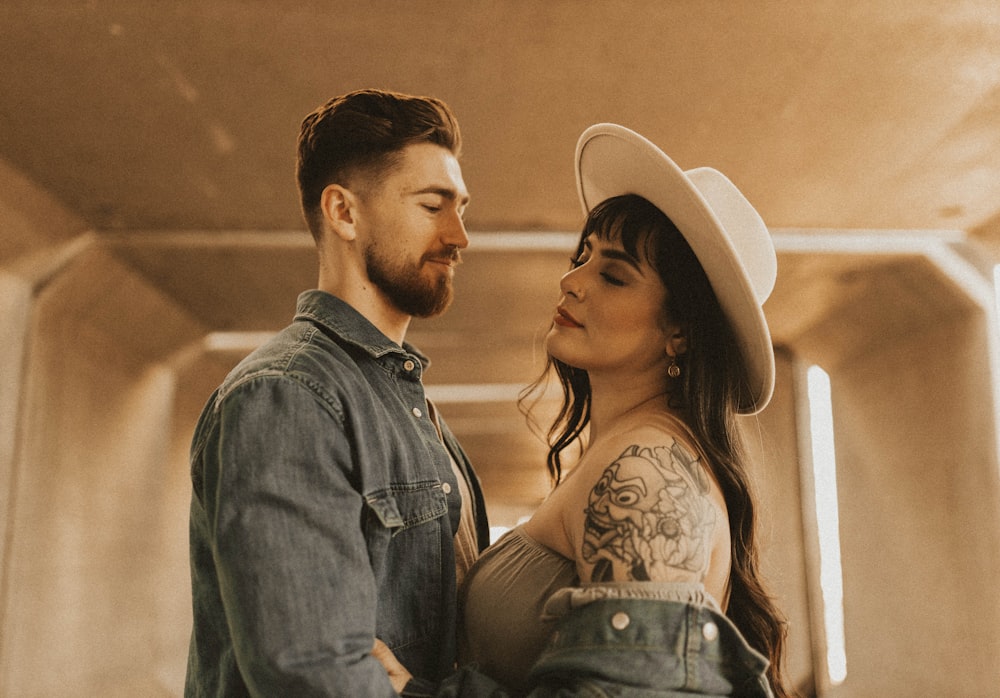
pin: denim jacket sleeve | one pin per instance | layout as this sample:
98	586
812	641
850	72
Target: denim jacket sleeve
634	648
281	520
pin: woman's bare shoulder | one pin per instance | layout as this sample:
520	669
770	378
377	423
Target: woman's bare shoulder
646	508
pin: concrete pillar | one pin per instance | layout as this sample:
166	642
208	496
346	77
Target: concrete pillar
920	515
97	598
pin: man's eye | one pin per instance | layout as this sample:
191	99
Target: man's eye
431	208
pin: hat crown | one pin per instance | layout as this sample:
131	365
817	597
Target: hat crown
742	226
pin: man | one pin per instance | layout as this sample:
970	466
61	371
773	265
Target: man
331	506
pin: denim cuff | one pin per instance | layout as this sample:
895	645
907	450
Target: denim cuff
564	600
630	640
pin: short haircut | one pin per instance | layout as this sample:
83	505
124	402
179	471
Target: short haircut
361	135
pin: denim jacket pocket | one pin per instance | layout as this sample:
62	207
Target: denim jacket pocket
408	529
405	506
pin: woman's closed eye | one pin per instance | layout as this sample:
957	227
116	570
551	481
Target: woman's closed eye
612	279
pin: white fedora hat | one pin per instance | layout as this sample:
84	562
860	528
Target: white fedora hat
725	232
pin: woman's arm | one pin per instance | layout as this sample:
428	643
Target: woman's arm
648	515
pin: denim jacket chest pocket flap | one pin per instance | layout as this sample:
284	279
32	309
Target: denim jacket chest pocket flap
406	506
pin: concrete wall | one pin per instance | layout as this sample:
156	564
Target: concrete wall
96	588
920	515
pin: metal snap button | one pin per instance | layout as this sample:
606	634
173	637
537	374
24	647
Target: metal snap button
710	631
409	365
620	620
446	488
417	413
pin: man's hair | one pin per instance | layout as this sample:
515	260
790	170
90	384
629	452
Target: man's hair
356	138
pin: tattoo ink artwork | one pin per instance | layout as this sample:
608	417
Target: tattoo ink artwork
649	517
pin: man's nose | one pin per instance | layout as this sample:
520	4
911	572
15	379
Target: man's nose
455	233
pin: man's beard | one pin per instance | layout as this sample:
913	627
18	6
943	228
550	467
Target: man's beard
406	288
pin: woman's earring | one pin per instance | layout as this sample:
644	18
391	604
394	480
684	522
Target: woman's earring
673	370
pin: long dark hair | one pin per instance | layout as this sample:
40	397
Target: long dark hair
706	393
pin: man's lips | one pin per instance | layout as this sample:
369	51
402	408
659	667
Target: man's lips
450	261
565	319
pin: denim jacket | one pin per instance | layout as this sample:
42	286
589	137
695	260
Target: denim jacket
614	642
323	514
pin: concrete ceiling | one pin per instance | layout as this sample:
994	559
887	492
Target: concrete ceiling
182	115
168	129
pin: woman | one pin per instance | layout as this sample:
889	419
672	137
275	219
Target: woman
639	572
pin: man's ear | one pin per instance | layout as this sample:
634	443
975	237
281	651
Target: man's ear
340	209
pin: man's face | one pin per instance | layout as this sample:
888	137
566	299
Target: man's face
413	230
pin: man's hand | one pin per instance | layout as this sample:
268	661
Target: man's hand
398	674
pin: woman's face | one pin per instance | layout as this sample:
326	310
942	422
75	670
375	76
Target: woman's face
611	315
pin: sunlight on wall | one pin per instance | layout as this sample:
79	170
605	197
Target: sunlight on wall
827	519
996	286
994	344
496	532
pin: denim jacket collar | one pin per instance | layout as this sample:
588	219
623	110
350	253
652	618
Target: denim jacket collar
351	326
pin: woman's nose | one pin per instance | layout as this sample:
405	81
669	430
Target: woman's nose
570	284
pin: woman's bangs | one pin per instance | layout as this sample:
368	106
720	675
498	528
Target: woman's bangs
636	233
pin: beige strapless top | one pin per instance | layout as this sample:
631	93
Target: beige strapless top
504	630
508	601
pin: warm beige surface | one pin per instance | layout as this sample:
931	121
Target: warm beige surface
95	572
149	233
920	515
182	115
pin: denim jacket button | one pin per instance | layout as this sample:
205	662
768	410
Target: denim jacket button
620	620
446	488
409	365
710	631
417	413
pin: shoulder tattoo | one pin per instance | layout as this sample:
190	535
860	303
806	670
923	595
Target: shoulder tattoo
649	517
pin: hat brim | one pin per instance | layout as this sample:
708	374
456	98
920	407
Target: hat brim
612	160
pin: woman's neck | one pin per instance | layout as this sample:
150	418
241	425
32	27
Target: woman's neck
615	403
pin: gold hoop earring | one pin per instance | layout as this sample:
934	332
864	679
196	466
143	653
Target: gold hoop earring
673	370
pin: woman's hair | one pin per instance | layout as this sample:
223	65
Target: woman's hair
361	134
707	393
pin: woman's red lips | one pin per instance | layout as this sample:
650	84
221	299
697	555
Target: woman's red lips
565	319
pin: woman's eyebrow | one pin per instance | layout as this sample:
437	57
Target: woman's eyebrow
621	255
